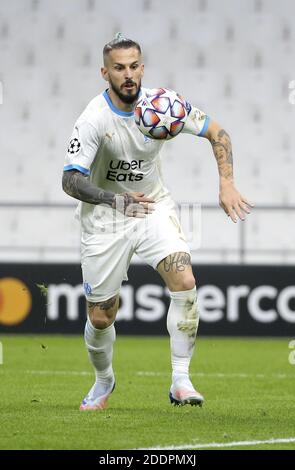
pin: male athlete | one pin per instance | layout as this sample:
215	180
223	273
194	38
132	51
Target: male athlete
115	171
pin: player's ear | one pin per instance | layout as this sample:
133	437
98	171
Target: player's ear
142	70
104	73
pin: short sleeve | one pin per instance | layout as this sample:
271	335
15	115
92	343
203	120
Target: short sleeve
197	121
83	146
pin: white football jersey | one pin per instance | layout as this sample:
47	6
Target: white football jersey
107	145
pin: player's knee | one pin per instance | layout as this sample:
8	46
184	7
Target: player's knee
101	322
185	283
189	282
103	314
101	319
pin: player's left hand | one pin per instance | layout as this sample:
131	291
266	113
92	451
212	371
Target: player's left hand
233	203
134	204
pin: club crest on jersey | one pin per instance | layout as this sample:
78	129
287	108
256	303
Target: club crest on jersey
74	146
87	288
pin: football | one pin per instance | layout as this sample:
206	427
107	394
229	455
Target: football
160	113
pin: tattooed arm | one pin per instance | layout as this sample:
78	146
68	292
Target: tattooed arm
231	201
77	185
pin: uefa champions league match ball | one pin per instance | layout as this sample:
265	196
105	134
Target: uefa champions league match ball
160	113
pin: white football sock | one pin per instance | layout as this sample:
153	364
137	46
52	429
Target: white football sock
99	344
182	325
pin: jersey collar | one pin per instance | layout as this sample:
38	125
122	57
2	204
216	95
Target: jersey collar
114	108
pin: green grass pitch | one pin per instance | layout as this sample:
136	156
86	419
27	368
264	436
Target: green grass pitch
248	386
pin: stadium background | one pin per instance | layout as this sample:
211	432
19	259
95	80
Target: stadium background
235	60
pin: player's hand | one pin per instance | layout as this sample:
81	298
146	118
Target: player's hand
133	204
233	203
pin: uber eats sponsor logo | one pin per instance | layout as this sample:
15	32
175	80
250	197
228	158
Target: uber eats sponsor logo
121	170
264	304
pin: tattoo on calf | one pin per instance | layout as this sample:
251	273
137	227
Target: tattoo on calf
105	305
176	262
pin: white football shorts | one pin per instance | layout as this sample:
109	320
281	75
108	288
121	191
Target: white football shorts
106	255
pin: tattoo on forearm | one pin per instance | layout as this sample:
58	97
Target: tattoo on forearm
176	262
78	186
105	305
223	153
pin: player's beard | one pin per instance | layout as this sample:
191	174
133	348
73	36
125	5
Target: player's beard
128	99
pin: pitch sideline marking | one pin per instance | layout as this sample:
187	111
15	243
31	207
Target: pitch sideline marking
58	372
223	444
162	374
221	375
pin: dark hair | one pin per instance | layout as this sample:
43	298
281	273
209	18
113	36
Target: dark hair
119	42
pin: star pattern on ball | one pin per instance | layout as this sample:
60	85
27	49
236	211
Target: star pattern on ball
165	119
74	146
